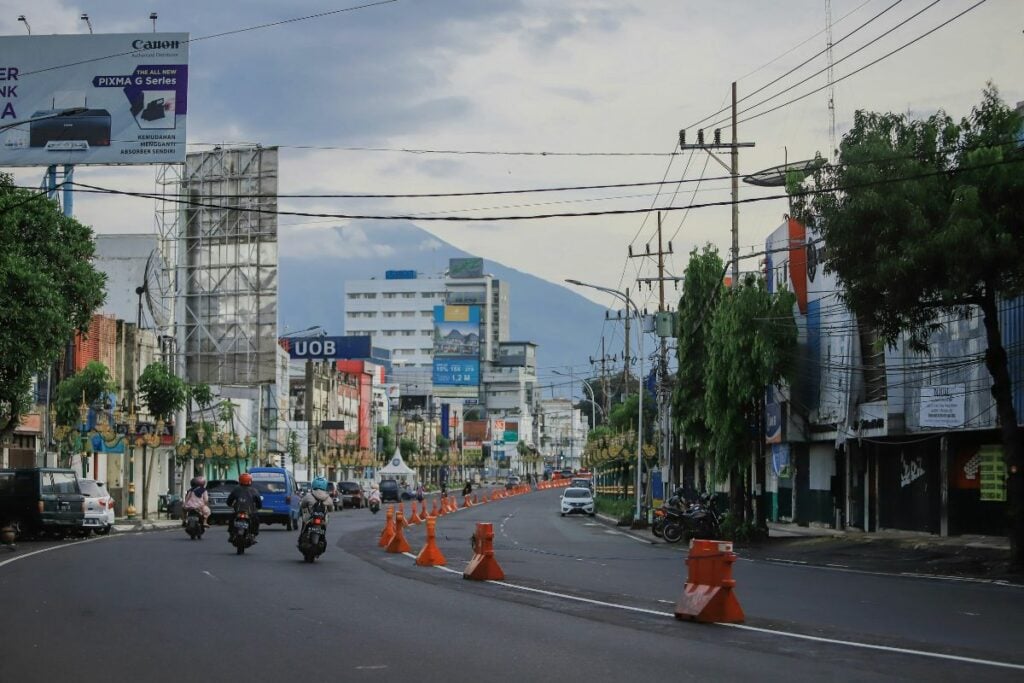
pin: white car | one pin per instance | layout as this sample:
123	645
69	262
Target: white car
577	501
99	506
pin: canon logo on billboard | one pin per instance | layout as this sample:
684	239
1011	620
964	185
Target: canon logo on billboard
155	44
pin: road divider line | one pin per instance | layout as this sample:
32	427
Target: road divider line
882	648
756	629
53	547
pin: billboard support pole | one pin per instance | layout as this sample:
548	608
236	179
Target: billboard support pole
68	194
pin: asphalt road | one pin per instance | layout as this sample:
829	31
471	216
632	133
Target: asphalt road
581	602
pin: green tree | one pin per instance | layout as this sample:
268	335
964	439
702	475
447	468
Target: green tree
751	345
48	290
88	385
386	438
162	392
943	201
409	447
624	415
702	290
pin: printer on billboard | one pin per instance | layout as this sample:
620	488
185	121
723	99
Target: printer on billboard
91	126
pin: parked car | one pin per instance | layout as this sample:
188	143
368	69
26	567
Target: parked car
577	501
390	491
280	495
38	499
351	494
219	490
582	482
304	487
513	482
334	493
99	506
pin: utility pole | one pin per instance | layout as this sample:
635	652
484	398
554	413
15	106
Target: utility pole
734	171
603	360
665	454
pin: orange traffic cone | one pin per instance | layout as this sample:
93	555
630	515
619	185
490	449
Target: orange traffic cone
430	555
414	517
467	503
398	544
433	508
425	515
389	527
442	507
483	566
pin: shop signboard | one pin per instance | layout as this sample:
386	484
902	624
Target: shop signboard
943	406
992	472
116	98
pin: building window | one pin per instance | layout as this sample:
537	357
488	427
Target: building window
408	314
392	314
389	295
408	295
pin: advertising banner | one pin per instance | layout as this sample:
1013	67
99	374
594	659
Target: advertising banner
943	406
456	365
116	98
465	267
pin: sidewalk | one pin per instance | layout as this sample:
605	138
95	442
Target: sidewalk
888	551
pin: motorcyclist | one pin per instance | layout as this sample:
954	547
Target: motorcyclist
197	499
374	496
244	498
316	494
467	489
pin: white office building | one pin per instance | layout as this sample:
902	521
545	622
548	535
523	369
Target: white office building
398	314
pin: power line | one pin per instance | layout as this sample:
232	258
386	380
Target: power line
852	73
318	15
581	214
809	60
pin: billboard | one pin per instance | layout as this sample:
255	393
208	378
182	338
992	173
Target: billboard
465	267
456	366
116	98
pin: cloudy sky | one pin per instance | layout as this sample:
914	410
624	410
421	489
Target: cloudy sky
602	86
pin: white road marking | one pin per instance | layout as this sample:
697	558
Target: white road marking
55	547
629	536
371	667
211	575
767	631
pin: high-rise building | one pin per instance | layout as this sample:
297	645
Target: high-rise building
398	314
468	285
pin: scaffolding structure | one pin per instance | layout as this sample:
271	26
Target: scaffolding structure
218	238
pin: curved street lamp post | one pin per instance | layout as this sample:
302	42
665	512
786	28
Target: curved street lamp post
622	296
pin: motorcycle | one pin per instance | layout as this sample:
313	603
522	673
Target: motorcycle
194	524
241	532
313	539
702	519
374	505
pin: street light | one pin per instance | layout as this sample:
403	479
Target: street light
22	19
622	296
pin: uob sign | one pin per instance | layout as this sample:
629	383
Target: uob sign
328	348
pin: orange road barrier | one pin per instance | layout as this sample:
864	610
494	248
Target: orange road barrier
708	595
476	500
389	527
467	502
430	555
425	515
414	517
483	566
443	507
398	544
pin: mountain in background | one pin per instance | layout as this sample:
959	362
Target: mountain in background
314	265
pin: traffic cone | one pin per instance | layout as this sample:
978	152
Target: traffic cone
430	555
414	517
483	566
389	527
442	507
467	503
398	544
433	508
424	515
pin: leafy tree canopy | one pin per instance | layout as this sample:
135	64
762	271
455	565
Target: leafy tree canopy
87	385
48	289
920	217
161	391
751	345
702	289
